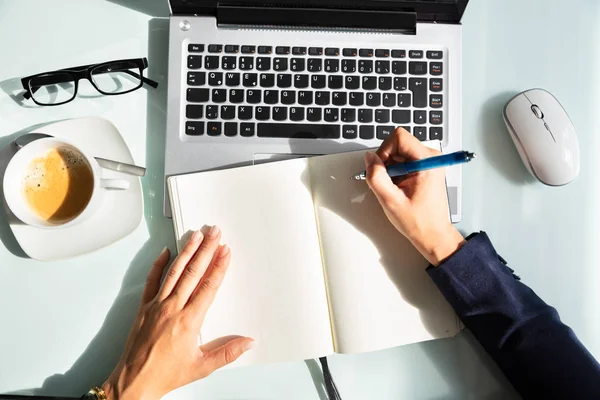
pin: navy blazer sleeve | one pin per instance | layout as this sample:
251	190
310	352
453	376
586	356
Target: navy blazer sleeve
539	354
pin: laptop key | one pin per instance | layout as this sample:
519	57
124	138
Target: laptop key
231	129
315	65
357	98
248	49
315	51
296	113
219	95
284	80
246	63
227	112
436	68
236	96
365	66
322	98
369	83
331	114
250	80
382	67
215	48
348	114
382	53
365	115
332	65
245	112
382	116
280	113
305	98
301	81
254	96
232	79
417	68
398	53
383	132
332	51
267	80
196	78
299	131
436	133
194	62
435	101
435	55
263	63
193	111
389	100
271	96
313	114
385	83
265	49
407	128
280	64
215	78
420	132
282	50
339	98
350	131
400	84
374	99
366	53
420	117
318	81
288	97
436	117
335	81
198	95
232	48
349	66
350	52
401	116
194	128
195	48
247	129
419	88
298	64
399	67
263	113
367	132
436	84
298	51
212	112
415	54
211	62
404	99
352	82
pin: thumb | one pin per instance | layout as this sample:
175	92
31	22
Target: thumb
228	352
378	179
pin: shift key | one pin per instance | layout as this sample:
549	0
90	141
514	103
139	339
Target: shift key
419	88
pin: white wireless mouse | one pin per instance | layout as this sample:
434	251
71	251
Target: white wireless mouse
544	136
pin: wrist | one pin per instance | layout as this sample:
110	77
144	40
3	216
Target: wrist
440	246
123	386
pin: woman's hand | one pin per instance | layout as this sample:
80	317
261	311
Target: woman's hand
416	205
162	351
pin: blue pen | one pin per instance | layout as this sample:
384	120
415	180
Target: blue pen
407	168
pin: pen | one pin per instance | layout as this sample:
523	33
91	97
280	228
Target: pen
406	168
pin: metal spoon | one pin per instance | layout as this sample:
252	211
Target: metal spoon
130	169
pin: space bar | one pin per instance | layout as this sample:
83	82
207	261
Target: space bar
298	131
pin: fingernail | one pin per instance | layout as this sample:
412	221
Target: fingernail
214	231
369	158
224	250
196	236
163	252
250	345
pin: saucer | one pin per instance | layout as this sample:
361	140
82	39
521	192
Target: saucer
119	214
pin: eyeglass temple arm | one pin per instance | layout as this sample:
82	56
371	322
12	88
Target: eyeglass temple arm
54	79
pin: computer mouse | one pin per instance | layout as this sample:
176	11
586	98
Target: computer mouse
544	136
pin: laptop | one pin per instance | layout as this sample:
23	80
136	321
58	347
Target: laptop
252	81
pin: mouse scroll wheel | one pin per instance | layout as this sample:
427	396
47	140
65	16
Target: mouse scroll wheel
537	112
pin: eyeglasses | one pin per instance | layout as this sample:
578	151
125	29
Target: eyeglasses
109	78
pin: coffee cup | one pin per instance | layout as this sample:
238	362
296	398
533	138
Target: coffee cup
50	183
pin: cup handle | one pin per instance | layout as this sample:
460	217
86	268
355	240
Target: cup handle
114	184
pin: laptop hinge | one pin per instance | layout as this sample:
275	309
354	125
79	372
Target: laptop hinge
393	21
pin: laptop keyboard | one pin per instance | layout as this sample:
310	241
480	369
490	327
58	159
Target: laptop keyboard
313	92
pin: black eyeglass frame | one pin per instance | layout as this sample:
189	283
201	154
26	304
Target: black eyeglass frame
86	72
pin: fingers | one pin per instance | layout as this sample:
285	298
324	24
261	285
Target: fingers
208	286
402	143
153	279
225	353
197	266
179	264
379	180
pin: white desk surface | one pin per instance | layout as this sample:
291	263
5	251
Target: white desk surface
63	323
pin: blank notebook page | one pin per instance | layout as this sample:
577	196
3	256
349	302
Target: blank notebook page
274	290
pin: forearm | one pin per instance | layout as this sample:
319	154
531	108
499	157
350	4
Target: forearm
538	353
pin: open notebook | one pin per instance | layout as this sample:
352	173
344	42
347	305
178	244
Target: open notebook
316	266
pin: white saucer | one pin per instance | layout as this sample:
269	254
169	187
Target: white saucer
120	213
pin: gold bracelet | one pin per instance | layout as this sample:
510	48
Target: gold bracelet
99	393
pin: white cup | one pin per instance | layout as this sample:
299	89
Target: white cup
16	171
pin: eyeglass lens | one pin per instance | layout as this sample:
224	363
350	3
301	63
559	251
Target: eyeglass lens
117	77
52	88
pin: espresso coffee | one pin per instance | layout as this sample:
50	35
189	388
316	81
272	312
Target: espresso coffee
58	185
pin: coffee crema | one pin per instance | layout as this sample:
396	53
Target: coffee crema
59	185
